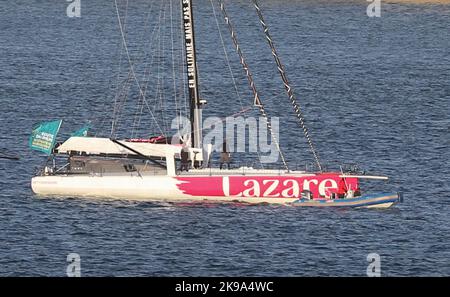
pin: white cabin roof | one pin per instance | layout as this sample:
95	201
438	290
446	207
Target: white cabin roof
95	146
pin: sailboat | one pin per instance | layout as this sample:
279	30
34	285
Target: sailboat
149	169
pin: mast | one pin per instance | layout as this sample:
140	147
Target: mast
196	104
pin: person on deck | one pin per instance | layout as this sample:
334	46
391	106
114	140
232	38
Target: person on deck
225	156
184	159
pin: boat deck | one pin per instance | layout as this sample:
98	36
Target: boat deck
125	167
192	172
239	171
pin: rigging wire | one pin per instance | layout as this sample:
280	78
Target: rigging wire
160	84
140	106
164	73
160	52
121	101
132	66
112	90
257	100
287	86
173	67
227	60
124	93
153	40
113	122
226	54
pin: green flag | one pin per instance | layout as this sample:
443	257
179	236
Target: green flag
82	132
43	137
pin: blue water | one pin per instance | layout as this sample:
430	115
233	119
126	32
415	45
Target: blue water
374	91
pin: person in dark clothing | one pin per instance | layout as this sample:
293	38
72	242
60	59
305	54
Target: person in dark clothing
225	156
184	159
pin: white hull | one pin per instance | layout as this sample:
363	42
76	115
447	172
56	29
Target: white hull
145	188
195	188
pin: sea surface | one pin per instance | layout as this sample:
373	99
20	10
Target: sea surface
374	91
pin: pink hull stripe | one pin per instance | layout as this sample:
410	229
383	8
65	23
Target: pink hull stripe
321	185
